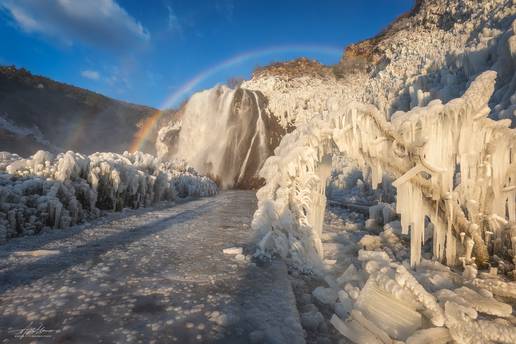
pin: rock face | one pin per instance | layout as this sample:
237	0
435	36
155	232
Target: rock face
224	133
39	113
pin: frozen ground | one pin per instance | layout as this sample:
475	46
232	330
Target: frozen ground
149	276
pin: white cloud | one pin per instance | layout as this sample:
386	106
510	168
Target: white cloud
90	74
25	21
101	23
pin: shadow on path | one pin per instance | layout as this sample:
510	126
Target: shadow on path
40	240
43	267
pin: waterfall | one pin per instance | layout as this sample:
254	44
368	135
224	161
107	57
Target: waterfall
258	134
226	134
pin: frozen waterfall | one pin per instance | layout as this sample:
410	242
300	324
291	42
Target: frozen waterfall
224	133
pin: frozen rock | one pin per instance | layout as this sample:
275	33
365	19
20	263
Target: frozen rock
349	275
233	250
436	280
329	237
36	253
326	296
373	266
394	226
382	213
343	296
497	287
470	272
433	265
397	318
354	331
352	291
306	299
372	225
445	295
388	213
370	326
435	335
381	256
433	310
483	304
331	281
370	242
311	320
343	308
375	213
336	251
465	329
309	307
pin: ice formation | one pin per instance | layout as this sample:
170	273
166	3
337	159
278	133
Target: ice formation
224	133
433	119
456	190
426	149
47	191
464	187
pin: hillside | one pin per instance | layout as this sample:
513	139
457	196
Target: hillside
39	113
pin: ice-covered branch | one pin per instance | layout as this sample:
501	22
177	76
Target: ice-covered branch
56	192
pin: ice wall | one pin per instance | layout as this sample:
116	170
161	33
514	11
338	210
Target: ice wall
47	191
466	187
224	133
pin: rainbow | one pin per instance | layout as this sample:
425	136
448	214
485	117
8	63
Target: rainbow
186	89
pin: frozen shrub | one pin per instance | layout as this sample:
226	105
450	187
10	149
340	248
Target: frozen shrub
47	191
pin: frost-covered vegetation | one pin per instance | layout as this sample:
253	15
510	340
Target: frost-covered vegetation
47	191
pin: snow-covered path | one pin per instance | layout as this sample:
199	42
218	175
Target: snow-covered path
153	276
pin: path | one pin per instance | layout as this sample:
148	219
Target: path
151	277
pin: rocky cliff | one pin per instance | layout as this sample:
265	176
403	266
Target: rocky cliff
432	52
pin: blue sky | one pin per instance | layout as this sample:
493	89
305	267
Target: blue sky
158	52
